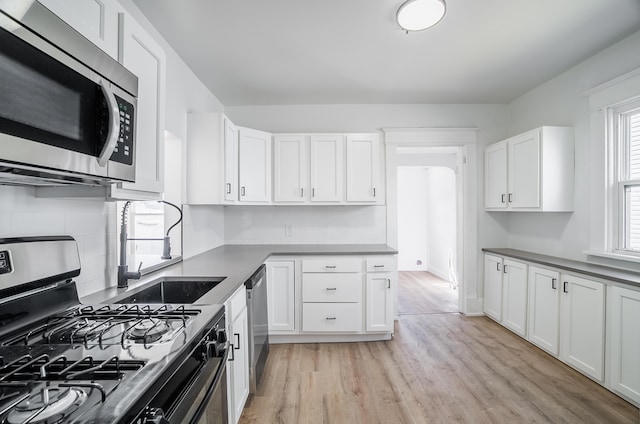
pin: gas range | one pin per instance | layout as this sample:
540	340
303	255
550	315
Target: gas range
64	362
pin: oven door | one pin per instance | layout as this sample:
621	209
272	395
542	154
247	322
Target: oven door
57	113
205	401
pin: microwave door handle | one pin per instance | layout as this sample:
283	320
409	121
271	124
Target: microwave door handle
114	124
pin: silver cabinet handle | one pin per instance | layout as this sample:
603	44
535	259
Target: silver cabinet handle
331	318
228	188
510	197
553	283
378	266
330	266
504	268
313	192
374	192
237	346
242	191
114	125
302	192
565	287
233	355
502	198
331	288
388	283
497	266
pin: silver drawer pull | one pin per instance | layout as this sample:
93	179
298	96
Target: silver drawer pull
331	318
330	267
331	288
378	266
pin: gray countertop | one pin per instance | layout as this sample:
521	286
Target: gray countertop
593	270
234	262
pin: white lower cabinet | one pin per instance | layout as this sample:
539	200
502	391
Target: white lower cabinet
582	325
514	296
238	364
544	309
281	296
332	317
379	301
624	352
493	286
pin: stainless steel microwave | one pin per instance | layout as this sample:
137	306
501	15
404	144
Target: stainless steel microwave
67	109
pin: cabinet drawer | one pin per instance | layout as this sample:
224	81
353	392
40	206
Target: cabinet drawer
236	303
332	265
380	264
332	288
332	317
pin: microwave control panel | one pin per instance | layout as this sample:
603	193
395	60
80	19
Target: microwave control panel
123	152
5	262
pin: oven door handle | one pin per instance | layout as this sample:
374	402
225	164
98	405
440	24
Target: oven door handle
114	124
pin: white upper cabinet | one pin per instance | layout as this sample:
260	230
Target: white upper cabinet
143	56
495	163
327	168
97	20
291	169
364	169
533	171
254	165
230	161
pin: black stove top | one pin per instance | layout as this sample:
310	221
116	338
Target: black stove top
64	362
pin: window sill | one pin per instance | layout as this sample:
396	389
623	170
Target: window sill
612	255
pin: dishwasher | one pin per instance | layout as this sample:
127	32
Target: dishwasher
258	317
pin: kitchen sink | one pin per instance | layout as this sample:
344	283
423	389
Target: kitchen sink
173	291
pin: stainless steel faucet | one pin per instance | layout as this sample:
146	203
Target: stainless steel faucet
124	275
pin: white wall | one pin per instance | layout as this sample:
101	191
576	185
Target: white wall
412	219
441	220
309	224
561	101
92	223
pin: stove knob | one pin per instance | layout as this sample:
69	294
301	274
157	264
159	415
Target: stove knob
154	416
221	336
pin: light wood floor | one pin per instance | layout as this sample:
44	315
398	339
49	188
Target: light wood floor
439	368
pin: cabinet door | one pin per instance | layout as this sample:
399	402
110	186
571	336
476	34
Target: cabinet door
514	309
495	171
254	161
363	168
143	56
290	159
379	302
493	286
582	326
327	168
625	342
230	161
281	295
239	389
544	309
96	20
524	170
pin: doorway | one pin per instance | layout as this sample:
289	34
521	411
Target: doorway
427	232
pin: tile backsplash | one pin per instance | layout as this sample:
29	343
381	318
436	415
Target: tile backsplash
91	222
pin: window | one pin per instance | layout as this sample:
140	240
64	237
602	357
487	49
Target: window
625	134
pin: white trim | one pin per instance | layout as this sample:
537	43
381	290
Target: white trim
613	255
612	83
619	90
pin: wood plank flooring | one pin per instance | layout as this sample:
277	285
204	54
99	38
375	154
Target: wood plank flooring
439	368
423	293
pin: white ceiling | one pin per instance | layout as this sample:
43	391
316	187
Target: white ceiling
259	52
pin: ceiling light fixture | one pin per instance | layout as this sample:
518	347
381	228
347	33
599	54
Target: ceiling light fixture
416	15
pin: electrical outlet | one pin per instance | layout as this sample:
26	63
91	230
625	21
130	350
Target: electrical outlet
288	230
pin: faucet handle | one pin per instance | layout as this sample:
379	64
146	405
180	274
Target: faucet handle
139	267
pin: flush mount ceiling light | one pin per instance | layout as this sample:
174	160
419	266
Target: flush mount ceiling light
416	15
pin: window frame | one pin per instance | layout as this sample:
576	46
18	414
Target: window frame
619	149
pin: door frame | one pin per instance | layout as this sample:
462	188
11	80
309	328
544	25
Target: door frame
465	140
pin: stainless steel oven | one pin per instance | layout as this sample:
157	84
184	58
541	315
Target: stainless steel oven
67	109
